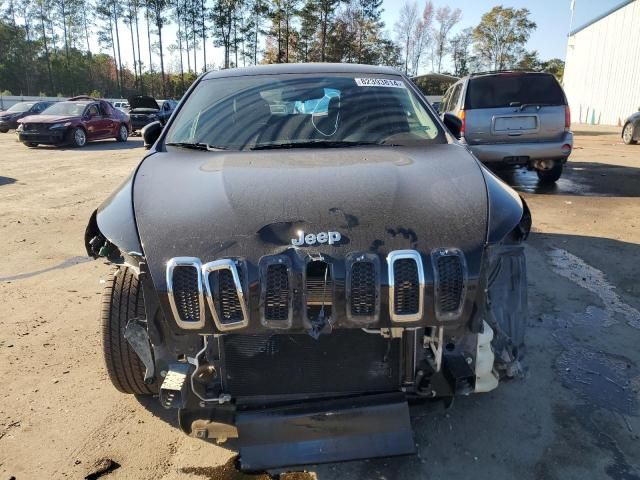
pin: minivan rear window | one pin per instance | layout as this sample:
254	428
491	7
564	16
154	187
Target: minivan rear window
494	91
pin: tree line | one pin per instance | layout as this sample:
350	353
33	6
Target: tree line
48	45
496	43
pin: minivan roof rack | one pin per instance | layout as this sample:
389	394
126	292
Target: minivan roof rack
512	70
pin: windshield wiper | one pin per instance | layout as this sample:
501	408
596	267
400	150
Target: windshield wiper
538	105
312	144
197	146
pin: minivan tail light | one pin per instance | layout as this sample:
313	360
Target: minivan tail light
461	116
567	117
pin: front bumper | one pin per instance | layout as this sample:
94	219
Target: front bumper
140	123
51	137
8	124
523	153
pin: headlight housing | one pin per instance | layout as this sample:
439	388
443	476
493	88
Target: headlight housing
55	126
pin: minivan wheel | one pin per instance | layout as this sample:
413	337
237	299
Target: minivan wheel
4	130
627	134
123	133
31	144
552	175
122	300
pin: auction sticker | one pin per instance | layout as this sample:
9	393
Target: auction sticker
379	82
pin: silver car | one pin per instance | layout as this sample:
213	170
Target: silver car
514	118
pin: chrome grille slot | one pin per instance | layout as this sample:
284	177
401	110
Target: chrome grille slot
225	295
318	290
363	289
184	289
450	282
406	285
229	309
276	306
407	290
318	284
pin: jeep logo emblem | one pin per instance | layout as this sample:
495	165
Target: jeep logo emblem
313	238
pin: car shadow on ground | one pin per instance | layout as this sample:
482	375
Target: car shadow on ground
100	145
590	179
6	180
559	420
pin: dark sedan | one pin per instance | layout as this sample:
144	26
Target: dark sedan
145	110
631	129
75	122
9	119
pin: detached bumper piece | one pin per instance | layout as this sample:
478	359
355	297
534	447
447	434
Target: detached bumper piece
325	431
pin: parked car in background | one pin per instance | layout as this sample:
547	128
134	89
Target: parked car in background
75	122
305	249
122	106
631	129
9	118
145	109
514	118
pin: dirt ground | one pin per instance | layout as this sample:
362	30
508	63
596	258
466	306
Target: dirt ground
573	416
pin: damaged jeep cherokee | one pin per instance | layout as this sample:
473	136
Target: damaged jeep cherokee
304	250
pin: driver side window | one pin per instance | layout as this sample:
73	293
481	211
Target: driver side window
93	111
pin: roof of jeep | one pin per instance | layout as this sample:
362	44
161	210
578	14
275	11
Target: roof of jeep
284	68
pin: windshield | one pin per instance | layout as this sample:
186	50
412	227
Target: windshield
21	107
513	89
284	111
66	108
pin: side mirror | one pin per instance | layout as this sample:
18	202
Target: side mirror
454	124
150	133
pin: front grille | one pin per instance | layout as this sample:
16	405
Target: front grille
363	289
407	287
185	292
450	283
36	127
346	361
225	288
230	310
319	283
276	305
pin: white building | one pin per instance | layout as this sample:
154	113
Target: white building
602	71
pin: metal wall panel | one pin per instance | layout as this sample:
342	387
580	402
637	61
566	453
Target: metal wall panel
602	72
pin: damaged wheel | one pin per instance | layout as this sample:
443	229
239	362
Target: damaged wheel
123	301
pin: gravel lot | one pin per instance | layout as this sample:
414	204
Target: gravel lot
574	415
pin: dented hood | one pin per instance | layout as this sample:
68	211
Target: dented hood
249	204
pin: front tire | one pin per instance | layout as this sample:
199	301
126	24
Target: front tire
122	301
552	175
627	134
123	133
78	137
31	144
4	130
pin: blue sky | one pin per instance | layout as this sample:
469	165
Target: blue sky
549	39
552	17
